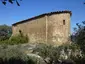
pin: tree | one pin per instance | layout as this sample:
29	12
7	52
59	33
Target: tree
10	1
5	32
79	37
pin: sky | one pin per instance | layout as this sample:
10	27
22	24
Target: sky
11	13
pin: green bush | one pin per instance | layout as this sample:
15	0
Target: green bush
18	39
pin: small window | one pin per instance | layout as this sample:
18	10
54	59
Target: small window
20	31
63	22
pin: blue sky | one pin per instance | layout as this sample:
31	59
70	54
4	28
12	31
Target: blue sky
10	14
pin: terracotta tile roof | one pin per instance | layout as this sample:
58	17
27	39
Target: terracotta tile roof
57	12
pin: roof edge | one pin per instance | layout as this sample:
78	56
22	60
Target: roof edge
50	13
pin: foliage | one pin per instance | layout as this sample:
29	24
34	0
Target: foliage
18	39
6	38
13	55
46	52
63	53
49	53
10	1
79	37
5	32
44	49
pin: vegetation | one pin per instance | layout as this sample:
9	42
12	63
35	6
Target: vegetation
13	55
5	32
60	55
15	40
47	52
18	39
10	1
79	37
63	54
6	38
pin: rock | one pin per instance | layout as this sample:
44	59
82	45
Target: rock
36	58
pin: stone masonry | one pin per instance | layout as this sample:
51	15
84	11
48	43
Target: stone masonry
53	27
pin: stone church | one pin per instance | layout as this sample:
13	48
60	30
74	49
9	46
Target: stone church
53	27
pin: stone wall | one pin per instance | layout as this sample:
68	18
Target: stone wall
58	28
34	29
54	29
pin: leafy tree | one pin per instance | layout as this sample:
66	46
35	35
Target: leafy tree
79	37
5	32
10	1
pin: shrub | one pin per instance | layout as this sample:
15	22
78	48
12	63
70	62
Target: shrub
63	54
18	39
49	53
13	55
